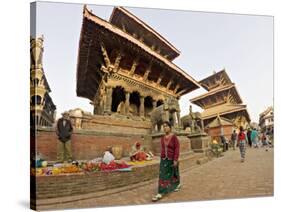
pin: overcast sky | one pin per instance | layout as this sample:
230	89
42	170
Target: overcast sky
242	44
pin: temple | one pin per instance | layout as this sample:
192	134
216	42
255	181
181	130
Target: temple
125	68
222	99
42	108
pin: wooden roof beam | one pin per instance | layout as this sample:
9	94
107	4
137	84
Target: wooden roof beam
145	76
134	66
160	79
182	91
105	55
176	88
117	61
170	83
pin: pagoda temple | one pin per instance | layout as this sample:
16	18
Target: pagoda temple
42	108
222	99
125	67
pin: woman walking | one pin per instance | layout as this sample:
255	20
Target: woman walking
169	179
242	140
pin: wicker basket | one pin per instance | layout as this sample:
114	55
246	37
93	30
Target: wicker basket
117	151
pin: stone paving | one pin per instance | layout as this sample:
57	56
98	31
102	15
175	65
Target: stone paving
221	178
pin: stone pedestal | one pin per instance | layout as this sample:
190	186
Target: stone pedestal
199	142
185	144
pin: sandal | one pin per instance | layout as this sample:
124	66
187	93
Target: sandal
156	197
177	188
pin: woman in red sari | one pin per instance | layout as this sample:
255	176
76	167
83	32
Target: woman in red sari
137	153
169	179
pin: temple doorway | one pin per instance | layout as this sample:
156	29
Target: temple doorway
135	103
148	105
118	98
159	102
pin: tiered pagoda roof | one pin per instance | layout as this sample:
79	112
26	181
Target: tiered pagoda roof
222	110
221	94
131	24
222	97
99	39
215	80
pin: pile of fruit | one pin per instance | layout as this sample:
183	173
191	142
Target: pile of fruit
46	171
100	166
83	167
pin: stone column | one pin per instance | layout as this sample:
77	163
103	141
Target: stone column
39	120
179	118
154	103
141	106
202	125
176	123
127	103
108	99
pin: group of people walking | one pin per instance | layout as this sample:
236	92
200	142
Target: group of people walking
250	138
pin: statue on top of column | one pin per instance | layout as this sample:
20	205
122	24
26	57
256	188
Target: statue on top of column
36	51
191	121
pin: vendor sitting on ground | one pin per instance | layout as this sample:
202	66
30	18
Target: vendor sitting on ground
108	156
138	153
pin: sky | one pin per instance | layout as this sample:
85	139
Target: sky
240	44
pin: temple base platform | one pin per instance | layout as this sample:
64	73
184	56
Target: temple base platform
56	189
200	142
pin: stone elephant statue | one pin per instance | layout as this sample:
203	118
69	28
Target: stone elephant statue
191	121
158	116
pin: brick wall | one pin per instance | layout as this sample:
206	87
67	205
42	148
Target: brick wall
84	183
184	141
86	145
216	132
75	184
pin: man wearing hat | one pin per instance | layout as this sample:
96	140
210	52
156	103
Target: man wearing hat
64	131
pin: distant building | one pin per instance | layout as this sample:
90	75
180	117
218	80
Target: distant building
266	121
255	125
42	108
222	99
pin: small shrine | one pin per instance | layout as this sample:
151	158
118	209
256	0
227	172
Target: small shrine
220	126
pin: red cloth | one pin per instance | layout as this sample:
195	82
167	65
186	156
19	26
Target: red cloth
140	156
173	148
241	136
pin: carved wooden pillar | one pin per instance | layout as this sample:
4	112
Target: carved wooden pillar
108	99
142	106
127	103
